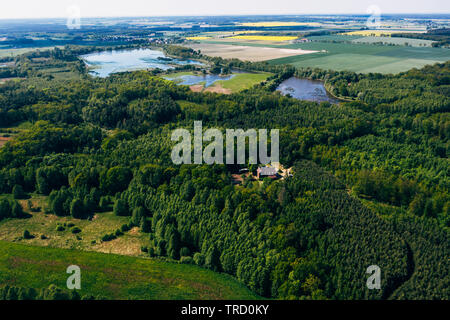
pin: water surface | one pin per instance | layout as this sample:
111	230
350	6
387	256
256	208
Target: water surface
305	89
207	79
108	62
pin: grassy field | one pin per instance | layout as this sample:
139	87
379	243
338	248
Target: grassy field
114	269
243	81
240	81
41	224
357	57
114	276
365	58
8	52
176	76
358	63
373	39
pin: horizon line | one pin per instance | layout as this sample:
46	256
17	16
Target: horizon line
228	15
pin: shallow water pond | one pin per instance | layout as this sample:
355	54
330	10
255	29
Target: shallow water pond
107	62
305	89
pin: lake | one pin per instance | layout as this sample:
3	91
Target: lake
108	62
305	89
207	79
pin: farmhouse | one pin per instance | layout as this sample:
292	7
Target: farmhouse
266	172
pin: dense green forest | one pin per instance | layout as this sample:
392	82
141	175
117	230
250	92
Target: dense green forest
370	182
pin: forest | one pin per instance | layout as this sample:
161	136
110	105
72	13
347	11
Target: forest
370	182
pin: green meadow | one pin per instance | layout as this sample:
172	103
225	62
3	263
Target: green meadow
243	81
239	82
373	39
6	51
115	276
365	58
357	57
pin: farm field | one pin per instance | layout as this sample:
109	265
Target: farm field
365	58
3	80
362	63
279	24
198	38
247	53
373	39
378	33
395	41
11	52
265	38
357	57
115	276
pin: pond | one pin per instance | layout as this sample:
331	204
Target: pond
305	89
206	79
108	62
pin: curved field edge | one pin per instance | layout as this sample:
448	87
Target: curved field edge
115	276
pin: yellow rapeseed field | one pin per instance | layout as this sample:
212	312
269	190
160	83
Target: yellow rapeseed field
265	38
368	33
198	38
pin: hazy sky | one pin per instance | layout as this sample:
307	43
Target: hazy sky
11	9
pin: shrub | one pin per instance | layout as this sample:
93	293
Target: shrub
77	209
120	208
18	192
199	259
187	260
60	228
161	248
184	252
17	211
145	226
212	259
137	216
5	209
75	230
27	235
104	203
125	228
108	237
118	233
